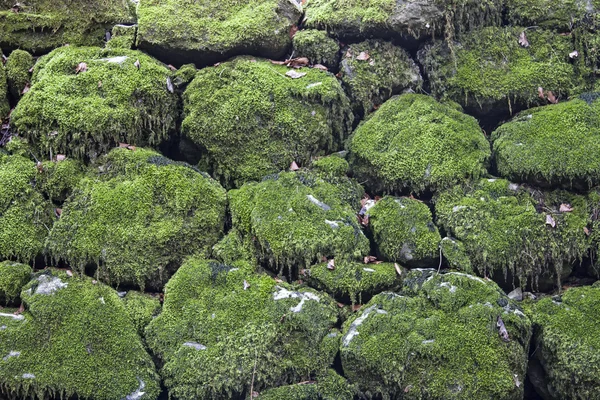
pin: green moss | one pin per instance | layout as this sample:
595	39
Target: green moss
296	219
403	231
550	14
59	178
555	145
184	75
17	146
389	70
233	247
438	341
318	47
17	67
416	143
122	37
85	114
75	339
331	166
455	253
567	341
138	218
328	387
4	106
13	276
141	308
217	336
504	229
252	120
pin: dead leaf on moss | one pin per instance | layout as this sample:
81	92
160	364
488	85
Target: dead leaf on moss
550	221
294	74
82	67
170	87
137	64
565	208
321	67
293	31
398	269
60	157
541	94
551	98
25	89
294	166
363	56
523	40
298	62
586	231
246	285
356	307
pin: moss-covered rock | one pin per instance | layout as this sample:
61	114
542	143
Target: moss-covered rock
226	328
138	218
75	339
17	66
57	179
374	70
42	25
318	47
327	387
456	256
235	247
4	106
559	15
122	37
13	276
507	231
440	340
253	120
207	31
413	142
141	308
555	145
331	166
566	363
298	218
83	114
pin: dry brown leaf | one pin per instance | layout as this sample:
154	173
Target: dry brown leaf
502	330
94	282
123	145
551	98
349	54
69	272
586	231
294	166
293	30
277	62
295	74
60	157
564	208
132	148
398	269
523	39
550	221
331	264
82	67
216	64
407	389
369	259
340	305
298	62
40	167
363	56
356	307
172	68
321	67
137	64
25	89
21	310
541	94
58	212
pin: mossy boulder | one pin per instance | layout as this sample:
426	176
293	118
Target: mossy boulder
57	179
551	146
122	37
207	31
456	256
75	339
414	143
252	120
440	340
330	386
318	47
141	308
374	70
566	363
137	218
42	25
561	15
331	166
225	329
296	218
13	276
85	113
17	66
513	234
4	106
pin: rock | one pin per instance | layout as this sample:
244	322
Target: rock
439	338
318	47
17	66
13	276
85	114
405	145
330	386
122	37
138	218
209	31
456	255
253	120
270	333
516	294
72	341
141	308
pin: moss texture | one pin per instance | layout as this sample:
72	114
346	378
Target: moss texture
75	339
560	15
141	308
388	70
4	106
122	37
230	328
58	178
330	386
298	218
235	247
85	114
17	68
138	218
505	228
206	31
331	166
456	256
13	276
438	341
252	120
413	142
318	47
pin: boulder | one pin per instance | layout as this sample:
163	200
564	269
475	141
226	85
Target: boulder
330	386
318	47
122	37
18	64
13	276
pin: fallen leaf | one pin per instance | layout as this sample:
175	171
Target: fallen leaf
369	259
586	231
294	74
53	133
123	145
294	166
523	40
564	208
40	167
278	280
574	54
246	285
58	212
172	68
60	157
82	67
321	67
21	310
277	62
25	89
293	31
331	264
170	85
31	70
363	56
255	394
132	148
541	94
216	64
398	269
356	307
372	63
99	84
349	54
69	272
550	221
551	98
517	381
298	62
340	305
282	319
94	282
502	330
137	64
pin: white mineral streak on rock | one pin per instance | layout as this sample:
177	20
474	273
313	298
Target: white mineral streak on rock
138	393
318	203
195	345
49	285
353	331
13	316
12	354
283	293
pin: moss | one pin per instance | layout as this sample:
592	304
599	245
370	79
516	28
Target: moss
85	114
42	25
204	32
438	341
504	228
330	386
122	37
234	247
17	146
227	335
550	14
389	70
403	231
331	166
17	67
138	218
184	75
4	106
141	308
75	339
58	178
252	120
296	219
13	276
455	253
555	145
413	142
567	341
318	47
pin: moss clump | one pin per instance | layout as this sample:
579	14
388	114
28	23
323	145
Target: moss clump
327	387
122	37
42	25
252	120
555	145
318	47
549	14
13	276
455	253
234	247
506	229
17	67
567	339
74	338
403	231
4	106
296	219
227	326
489	72
204	32
138	218
331	166
85	114
438	341
413	142
141	308
389	70
58	178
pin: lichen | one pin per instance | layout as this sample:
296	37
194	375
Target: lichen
13	276
122	37
318	47
141	308
17	66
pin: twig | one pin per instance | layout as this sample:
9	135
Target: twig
253	374
440	266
